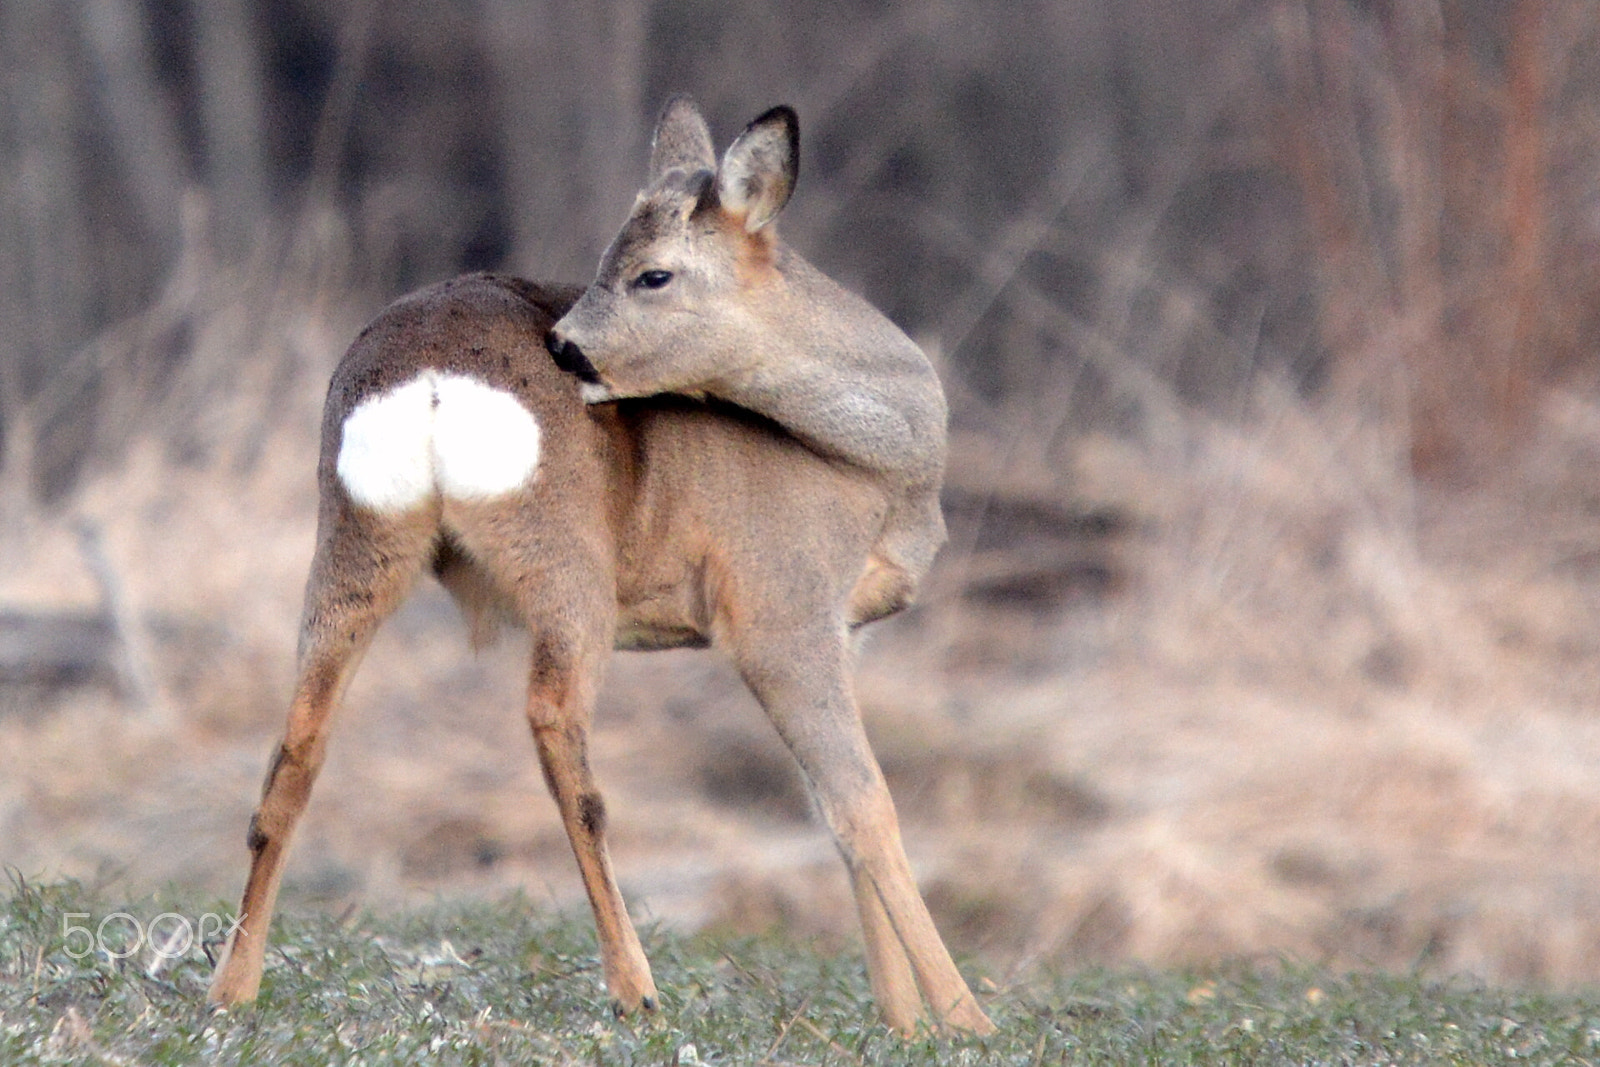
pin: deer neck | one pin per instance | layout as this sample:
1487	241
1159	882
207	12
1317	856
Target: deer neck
841	377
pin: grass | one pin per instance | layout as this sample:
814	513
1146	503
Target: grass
490	983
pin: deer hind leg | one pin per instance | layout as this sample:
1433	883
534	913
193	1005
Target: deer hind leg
564	592
559	704
802	684
358	578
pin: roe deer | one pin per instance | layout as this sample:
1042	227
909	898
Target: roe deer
452	442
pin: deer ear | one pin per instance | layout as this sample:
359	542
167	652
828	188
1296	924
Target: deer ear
681	139
759	169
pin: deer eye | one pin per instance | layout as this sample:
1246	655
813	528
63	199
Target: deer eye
652	279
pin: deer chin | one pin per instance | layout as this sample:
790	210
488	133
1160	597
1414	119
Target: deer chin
595	392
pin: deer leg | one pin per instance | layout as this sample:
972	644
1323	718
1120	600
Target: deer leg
564	589
345	602
894	981
559	706
805	692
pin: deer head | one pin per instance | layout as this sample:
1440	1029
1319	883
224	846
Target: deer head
683	301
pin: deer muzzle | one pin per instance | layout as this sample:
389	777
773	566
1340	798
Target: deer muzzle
570	358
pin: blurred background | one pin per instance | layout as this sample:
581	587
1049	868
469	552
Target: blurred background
1268	624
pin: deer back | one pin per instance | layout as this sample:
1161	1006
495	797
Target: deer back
447	419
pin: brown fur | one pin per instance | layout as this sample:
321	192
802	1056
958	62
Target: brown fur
647	525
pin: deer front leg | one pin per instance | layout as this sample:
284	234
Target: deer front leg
559	712
894	980
803	687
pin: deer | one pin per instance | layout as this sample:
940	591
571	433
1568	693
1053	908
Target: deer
711	445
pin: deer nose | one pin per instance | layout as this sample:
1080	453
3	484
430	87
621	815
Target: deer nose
570	358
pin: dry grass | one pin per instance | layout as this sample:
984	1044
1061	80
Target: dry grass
1273	699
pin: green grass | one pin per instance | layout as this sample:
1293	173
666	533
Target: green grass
504	983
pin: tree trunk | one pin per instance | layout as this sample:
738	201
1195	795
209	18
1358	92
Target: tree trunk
142	129
574	147
227	60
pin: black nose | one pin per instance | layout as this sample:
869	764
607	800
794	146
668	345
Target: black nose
570	358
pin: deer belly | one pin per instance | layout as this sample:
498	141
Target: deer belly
436	435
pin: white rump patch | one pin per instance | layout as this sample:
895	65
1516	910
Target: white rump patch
438	433
386	456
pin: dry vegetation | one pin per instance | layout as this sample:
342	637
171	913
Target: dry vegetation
1270	622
